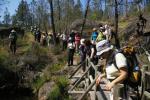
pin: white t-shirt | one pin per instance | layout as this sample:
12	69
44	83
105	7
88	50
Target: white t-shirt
111	70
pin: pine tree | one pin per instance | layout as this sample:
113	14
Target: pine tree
7	18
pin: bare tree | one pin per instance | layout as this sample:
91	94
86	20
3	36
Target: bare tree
52	21
116	25
84	20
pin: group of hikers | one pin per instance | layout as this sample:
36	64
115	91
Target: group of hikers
97	48
121	65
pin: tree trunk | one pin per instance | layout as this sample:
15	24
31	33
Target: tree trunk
84	20
59	16
116	25
52	21
126	8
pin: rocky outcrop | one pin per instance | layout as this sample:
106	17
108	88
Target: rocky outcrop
78	23
45	90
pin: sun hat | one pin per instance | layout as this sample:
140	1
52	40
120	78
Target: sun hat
94	29
103	46
82	41
13	31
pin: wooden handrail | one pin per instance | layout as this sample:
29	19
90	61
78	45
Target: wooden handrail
88	89
80	79
79	66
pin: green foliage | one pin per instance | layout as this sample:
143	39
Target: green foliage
38	82
56	50
55	67
59	91
22	17
55	94
4	57
37	56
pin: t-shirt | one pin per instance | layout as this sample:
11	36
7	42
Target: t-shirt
94	35
13	36
77	39
111	70
64	37
71	45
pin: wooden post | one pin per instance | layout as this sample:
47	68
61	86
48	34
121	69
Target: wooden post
95	88
144	83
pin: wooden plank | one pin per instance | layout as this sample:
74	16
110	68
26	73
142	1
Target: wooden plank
76	92
79	66
147	73
91	78
147	94
77	76
80	79
92	95
88	89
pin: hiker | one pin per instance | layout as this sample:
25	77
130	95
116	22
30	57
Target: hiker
82	51
38	36
72	35
101	35
140	25
114	74
71	49
107	32
93	56
44	39
57	38
142	22
13	39
94	34
77	41
34	32
63	38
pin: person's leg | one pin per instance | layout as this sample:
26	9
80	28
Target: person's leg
69	57
15	48
63	45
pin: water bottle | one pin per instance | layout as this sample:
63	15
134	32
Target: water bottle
136	68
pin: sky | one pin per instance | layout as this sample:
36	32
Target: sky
12	5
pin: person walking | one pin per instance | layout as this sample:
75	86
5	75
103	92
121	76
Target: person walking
63	38
77	41
71	50
13	40
94	35
82	52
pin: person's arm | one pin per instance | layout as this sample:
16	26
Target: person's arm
100	77
121	78
92	53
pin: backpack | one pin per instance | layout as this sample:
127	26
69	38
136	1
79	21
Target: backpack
100	37
134	73
13	36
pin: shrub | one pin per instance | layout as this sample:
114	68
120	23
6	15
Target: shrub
56	50
59	91
4	57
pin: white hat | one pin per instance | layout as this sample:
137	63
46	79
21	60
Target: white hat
13	31
94	29
103	46
82	41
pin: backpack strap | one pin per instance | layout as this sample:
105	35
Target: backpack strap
112	59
